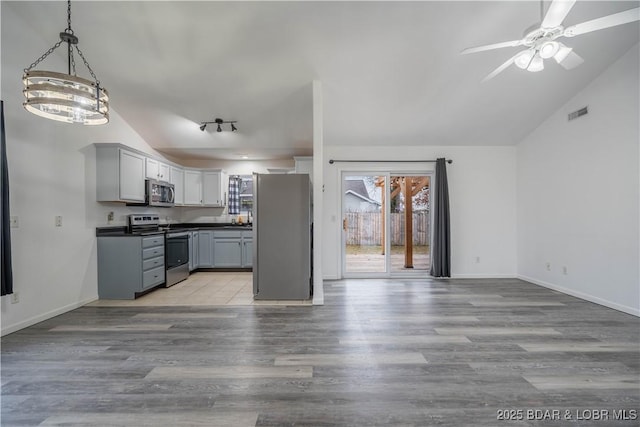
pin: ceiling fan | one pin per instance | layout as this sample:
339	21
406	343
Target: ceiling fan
541	41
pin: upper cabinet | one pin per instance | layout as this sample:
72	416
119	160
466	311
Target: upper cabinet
205	188
177	179
213	191
157	170
120	175
192	187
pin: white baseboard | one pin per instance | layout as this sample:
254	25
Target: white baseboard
582	295
484	276
42	317
331	277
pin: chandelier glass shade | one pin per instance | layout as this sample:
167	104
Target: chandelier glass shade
65	97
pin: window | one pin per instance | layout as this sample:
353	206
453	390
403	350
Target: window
246	193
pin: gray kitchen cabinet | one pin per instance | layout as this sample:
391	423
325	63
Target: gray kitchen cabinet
228	252
128	265
193	250
232	248
205	249
247	252
120	174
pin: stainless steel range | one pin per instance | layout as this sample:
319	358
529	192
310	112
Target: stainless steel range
176	256
176	244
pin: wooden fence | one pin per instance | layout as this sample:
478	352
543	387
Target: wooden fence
365	228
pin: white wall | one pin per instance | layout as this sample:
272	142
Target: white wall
578	194
482	199
52	172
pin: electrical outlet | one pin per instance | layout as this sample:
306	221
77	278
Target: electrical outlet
14	222
110	216
15	298
58	221
564	270
548	266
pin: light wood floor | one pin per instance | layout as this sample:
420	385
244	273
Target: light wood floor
379	352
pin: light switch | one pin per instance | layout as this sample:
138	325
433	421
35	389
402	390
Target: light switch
59	221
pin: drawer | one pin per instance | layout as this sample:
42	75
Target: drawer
148	242
227	234
153	252
152	277
148	264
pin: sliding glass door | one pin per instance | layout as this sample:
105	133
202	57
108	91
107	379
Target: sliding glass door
363	225
409	223
386	222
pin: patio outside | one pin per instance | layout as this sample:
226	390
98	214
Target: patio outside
365	218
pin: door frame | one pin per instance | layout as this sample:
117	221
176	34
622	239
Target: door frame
387	170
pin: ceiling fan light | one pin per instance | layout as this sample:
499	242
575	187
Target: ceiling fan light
562	53
537	64
549	49
523	59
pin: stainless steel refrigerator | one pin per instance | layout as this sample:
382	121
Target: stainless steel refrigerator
281	237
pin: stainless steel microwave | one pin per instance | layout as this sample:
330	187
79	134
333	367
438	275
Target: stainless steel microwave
160	193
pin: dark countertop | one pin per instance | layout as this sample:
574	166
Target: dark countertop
122	230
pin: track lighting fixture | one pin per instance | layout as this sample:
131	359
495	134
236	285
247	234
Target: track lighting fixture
219	122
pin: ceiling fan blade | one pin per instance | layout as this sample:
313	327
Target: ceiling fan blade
571	60
511	43
501	68
557	12
620	18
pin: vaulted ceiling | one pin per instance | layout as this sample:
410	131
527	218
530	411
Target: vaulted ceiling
391	72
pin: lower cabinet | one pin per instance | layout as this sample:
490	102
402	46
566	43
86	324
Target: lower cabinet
205	249
232	248
193	249
128	265
221	249
247	252
227	252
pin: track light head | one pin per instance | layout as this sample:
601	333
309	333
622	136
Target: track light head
233	128
203	127
219	128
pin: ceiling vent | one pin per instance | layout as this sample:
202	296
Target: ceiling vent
581	112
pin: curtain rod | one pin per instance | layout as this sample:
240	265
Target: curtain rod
332	161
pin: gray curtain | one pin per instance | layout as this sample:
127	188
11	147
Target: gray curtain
441	250
5	231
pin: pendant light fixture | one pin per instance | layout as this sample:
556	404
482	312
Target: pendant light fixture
65	97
